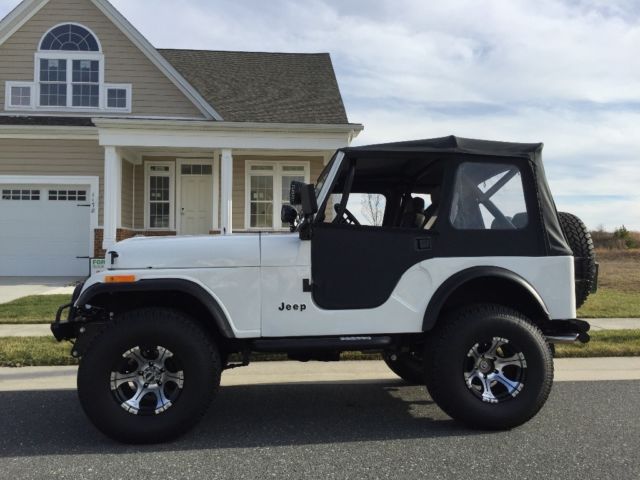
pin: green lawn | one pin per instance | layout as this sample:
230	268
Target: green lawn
45	351
33	309
610	303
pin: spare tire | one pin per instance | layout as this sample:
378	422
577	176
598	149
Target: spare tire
581	244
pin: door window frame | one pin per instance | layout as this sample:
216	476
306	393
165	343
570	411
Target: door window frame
215	179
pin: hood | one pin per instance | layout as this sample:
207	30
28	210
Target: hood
204	251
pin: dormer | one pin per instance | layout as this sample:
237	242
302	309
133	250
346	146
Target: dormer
68	76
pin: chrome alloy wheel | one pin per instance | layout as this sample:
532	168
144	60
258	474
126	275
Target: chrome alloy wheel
147	380
495	371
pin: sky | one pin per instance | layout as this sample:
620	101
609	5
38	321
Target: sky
562	72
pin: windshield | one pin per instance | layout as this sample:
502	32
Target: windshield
323	176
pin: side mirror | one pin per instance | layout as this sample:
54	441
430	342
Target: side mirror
309	202
289	215
295	196
304	194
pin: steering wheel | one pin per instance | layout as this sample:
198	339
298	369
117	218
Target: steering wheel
344	216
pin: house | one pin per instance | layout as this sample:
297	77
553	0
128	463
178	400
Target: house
103	136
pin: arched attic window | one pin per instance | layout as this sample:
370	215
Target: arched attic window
70	37
70	68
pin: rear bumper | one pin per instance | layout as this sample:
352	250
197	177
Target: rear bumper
567	331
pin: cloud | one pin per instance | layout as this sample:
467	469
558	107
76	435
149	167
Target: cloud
559	71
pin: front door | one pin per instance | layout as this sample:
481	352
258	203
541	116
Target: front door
196	199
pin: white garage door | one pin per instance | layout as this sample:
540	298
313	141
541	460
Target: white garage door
44	230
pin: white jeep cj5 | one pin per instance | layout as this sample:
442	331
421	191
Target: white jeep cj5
467	296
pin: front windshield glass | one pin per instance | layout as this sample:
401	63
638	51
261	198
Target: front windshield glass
323	176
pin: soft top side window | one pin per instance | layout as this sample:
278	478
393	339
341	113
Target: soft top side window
488	196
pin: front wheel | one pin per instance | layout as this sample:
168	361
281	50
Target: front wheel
489	367
149	377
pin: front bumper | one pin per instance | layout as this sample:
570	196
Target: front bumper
67	329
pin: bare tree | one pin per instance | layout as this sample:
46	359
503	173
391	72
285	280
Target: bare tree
373	208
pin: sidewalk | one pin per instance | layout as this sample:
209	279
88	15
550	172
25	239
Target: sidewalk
263	373
12	288
44	330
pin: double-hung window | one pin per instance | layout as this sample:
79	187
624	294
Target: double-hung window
159	192
268	185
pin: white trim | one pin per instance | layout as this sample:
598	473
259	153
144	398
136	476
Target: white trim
92	181
7	95
223	135
95	37
214	188
172	193
112	195
113	115
277	174
226	191
158	60
141	124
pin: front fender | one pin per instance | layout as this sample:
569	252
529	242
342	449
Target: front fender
165	285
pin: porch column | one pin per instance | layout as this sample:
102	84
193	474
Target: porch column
112	195
226	185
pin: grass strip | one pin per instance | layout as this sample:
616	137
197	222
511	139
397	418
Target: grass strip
32	309
45	351
610	303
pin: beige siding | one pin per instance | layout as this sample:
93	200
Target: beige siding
53	157
127	195
239	176
153	93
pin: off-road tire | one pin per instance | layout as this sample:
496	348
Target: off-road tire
176	332
407	365
448	349
581	245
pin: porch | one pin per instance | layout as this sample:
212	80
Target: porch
191	178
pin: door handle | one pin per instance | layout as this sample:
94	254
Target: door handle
424	243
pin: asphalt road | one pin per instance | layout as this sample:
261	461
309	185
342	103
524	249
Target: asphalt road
333	430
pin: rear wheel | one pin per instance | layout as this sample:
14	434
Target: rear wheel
149	377
489	367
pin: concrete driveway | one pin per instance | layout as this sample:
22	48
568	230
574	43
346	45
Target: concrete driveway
12	288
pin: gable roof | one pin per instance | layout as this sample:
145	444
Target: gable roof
264	87
28	8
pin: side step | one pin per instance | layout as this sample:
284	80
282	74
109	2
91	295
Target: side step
306	344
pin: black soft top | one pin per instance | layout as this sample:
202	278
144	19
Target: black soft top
453	144
453	147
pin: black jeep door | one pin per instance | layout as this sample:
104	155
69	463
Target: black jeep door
359	266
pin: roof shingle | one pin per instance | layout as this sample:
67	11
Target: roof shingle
264	87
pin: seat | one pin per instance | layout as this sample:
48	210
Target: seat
413	217
431	213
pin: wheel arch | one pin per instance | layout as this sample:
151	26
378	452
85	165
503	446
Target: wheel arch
175	293
485	285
